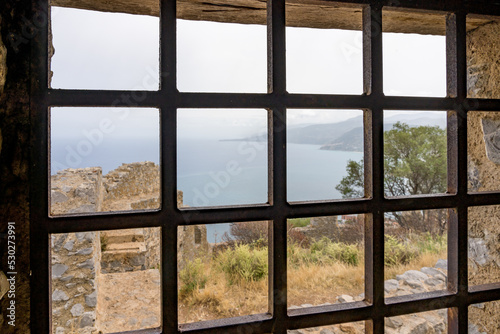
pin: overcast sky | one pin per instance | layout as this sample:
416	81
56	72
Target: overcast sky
96	50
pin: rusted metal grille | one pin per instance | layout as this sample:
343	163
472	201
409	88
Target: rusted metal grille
374	309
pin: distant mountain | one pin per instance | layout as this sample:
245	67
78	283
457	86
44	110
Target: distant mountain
320	134
349	141
348	135
353	139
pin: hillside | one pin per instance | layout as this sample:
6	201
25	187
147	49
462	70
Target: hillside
348	135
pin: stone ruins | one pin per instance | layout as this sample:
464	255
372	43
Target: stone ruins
91	269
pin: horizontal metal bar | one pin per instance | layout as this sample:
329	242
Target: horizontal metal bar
482	104
215	215
152	99
110	98
421	302
484	198
103	221
484	293
328	315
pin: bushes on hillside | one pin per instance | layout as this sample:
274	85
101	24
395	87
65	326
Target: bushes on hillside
192	277
243	263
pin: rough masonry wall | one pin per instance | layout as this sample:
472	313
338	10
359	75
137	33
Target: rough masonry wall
131	181
483	50
75	260
14	153
76	191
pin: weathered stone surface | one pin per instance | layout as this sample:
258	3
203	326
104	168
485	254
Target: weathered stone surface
87	208
59	295
345	299
412	275
58	270
391	285
478	251
491	130
77	310
431	271
394	322
305	13
442	264
57	197
91	300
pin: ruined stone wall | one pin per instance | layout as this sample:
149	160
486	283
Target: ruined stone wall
14	154
75	260
483	49
76	191
131	180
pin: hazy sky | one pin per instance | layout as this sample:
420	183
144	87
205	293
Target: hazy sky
96	50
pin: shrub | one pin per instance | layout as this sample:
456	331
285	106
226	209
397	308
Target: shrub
336	251
397	252
299	222
243	263
428	243
192	277
323	252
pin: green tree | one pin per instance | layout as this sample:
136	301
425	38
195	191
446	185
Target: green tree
414	163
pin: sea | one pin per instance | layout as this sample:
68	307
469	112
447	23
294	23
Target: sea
219	173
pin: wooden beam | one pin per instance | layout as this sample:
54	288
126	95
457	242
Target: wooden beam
299	13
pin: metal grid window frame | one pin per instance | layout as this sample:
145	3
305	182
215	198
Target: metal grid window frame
375	308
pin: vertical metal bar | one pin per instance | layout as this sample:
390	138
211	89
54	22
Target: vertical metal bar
278	243
168	119
276	65
373	78
457	169
276	62
39	178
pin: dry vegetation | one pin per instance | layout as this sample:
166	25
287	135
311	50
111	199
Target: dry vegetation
317	274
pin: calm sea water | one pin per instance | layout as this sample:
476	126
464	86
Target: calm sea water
214	173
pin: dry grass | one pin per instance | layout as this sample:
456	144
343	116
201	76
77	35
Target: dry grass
307	284
424	260
321	284
219	299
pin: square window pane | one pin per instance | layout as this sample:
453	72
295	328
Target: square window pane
106	281
484	318
348	327
212	56
483	50
415	252
222	270
324	53
100	50
222	156
325	260
104	159
415	152
483	130
484	223
324	154
414	61
423	322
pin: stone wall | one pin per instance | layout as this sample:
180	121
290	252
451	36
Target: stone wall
75	260
76	191
131	181
80	259
483	49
